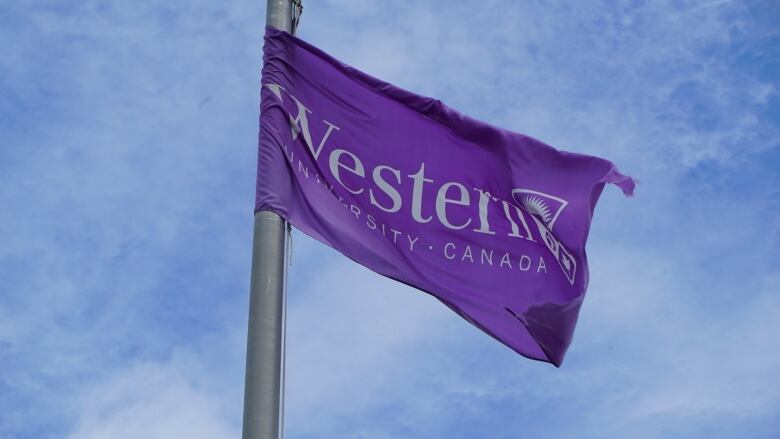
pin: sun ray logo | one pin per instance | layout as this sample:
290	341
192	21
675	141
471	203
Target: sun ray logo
545	207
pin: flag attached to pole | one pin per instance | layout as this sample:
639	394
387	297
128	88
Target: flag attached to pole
491	222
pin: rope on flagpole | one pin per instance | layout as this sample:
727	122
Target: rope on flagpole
297	11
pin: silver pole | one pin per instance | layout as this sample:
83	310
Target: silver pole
263	389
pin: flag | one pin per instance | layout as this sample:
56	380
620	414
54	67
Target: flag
491	222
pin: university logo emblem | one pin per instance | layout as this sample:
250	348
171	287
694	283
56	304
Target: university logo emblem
544	207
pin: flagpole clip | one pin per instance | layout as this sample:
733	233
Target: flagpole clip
297	11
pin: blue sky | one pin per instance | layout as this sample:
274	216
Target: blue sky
127	158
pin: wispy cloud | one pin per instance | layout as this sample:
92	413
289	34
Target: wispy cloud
151	401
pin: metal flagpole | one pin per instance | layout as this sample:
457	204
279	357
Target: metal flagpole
264	382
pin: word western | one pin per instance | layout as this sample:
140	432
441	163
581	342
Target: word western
385	195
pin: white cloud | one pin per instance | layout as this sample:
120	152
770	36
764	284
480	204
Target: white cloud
150	401
351	334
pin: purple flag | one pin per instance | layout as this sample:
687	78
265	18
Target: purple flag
490	222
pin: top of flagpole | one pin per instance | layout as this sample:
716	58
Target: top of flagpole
284	14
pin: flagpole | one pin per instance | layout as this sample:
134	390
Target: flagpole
264	381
